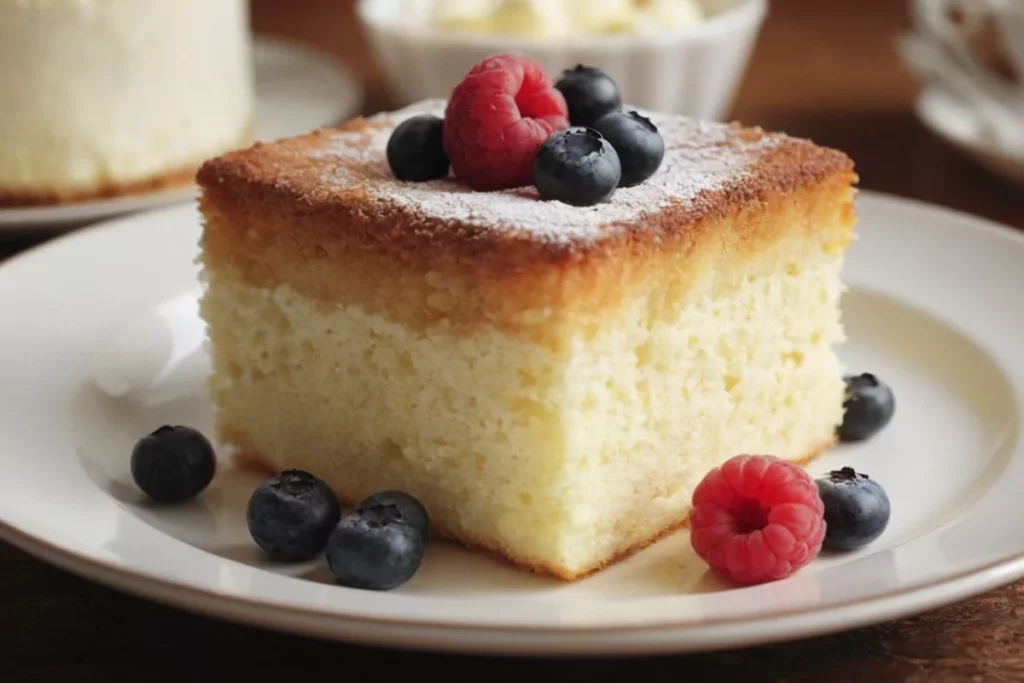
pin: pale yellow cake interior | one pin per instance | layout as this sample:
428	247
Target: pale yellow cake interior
560	456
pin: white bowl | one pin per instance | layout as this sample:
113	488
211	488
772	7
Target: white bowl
694	70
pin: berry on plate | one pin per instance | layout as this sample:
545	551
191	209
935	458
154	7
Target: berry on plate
868	407
409	510
496	120
375	548
578	167
415	150
637	141
292	515
173	464
756	518
589	94
856	509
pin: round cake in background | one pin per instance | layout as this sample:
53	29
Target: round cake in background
111	97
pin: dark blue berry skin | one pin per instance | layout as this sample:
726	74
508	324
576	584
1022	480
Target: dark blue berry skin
589	93
375	549
292	515
869	406
637	141
409	510
415	149
576	166
173	464
856	509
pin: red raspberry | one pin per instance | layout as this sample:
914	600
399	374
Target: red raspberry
496	120
757	518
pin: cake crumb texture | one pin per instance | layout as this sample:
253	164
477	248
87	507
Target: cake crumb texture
561	449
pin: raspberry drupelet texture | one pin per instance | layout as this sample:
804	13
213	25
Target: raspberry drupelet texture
496	120
757	518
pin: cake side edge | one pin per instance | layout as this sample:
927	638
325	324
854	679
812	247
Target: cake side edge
268	245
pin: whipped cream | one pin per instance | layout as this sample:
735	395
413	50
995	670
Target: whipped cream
561	18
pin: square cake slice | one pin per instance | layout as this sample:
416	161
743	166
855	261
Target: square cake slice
551	382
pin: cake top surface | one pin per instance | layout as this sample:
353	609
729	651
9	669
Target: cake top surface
707	167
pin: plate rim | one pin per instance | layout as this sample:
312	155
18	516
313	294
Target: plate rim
441	636
775	626
996	161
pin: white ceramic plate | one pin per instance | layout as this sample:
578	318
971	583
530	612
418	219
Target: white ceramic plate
297	90
932	309
951	119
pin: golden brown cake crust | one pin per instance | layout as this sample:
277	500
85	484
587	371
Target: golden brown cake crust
323	215
248	457
336	180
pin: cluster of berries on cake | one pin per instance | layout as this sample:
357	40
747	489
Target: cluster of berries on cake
508	125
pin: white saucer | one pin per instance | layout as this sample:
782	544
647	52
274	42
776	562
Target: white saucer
297	90
941	325
951	119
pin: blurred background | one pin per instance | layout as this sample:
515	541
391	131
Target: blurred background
924	95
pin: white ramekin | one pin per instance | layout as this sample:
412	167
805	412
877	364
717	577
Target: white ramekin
694	70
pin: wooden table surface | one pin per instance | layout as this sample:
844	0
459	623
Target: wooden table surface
823	69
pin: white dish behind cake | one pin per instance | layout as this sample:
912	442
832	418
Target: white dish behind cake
103	98
693	70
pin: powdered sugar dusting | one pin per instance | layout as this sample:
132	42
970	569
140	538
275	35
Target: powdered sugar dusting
699	157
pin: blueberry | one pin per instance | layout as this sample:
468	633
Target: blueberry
292	515
415	149
868	407
636	140
576	166
589	93
410	510
375	549
173	464
856	509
